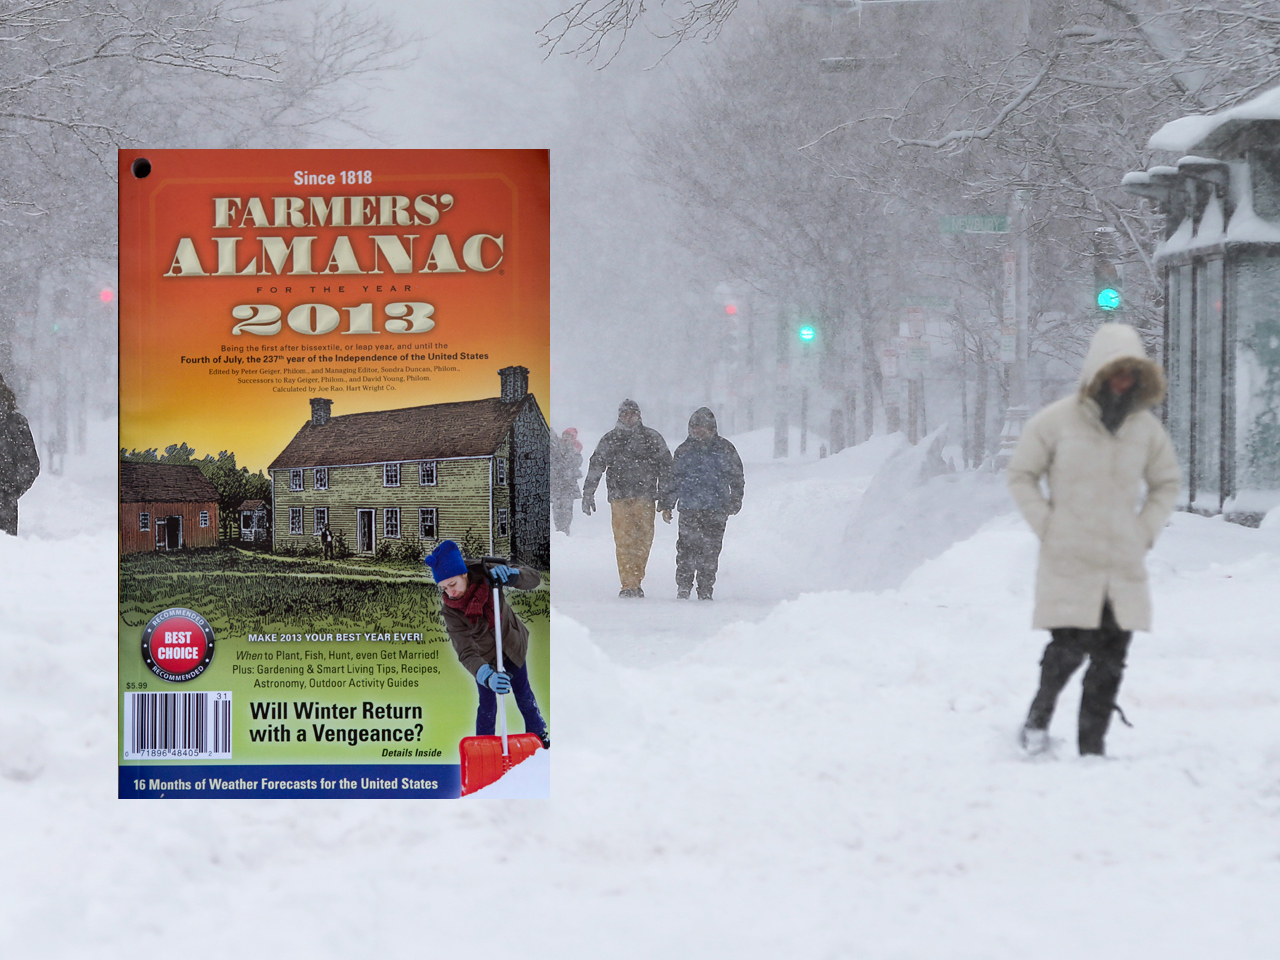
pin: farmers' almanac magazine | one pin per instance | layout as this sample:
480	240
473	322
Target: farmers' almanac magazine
331	363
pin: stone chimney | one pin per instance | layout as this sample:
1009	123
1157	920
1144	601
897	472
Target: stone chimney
320	411
515	383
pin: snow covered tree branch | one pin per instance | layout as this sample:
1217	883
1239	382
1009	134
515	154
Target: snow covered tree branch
586	26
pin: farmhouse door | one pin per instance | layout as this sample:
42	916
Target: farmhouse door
173	533
364	524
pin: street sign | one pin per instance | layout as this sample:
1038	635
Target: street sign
1008	344
973	224
890	361
1010	287
915	321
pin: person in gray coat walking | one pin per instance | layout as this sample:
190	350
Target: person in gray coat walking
1096	449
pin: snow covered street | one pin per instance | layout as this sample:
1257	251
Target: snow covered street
801	768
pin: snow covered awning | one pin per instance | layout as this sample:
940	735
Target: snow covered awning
1213	133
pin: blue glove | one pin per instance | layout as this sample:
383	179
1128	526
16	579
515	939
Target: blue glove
486	676
503	574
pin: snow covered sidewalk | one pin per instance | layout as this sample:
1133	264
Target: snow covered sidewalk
848	763
825	772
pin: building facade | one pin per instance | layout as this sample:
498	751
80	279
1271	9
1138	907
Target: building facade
1220	261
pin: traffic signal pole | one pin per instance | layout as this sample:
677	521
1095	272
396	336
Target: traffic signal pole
1017	301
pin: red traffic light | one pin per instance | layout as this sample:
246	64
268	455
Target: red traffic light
730	309
107	295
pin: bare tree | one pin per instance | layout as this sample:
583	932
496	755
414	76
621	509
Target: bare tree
598	28
81	78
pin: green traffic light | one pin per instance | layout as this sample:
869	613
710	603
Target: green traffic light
1109	299
807	333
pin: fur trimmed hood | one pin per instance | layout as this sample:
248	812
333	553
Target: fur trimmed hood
1115	346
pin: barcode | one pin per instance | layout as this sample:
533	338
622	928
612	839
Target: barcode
160	726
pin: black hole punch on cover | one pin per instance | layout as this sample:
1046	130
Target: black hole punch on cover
141	168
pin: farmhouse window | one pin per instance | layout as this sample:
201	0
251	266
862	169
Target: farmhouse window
295	521
391	474
144	521
502	471
204	518
322	478
427	473
426	523
321	519
295	479
502	521
391	522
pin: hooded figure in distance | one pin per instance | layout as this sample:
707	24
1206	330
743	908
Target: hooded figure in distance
706	485
1096	448
566	469
634	460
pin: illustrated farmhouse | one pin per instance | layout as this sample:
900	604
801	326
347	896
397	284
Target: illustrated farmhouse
475	472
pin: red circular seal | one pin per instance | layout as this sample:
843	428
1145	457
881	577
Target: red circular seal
177	644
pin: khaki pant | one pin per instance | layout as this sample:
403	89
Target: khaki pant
632	538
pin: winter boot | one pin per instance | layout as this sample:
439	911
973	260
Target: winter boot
1034	741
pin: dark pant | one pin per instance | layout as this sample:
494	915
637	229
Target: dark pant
487	712
9	515
562	511
1106	648
698	549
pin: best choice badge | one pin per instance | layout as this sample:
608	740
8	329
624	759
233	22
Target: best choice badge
177	644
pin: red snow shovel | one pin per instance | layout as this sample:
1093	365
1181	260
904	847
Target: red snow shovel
486	759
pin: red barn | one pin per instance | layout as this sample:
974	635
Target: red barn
166	507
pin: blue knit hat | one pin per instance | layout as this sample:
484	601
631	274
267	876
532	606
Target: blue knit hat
446	561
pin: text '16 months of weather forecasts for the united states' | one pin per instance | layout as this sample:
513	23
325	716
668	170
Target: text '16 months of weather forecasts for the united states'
332	364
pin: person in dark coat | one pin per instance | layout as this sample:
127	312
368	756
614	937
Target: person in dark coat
326	541
566	470
635	461
469	620
19	462
706	486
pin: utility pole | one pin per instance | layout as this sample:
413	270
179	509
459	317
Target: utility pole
781	424
1014	347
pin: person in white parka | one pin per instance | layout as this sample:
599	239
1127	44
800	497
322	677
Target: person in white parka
1098	449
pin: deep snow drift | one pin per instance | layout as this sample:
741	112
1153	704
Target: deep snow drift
799	768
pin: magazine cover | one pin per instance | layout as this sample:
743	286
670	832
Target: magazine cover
334	507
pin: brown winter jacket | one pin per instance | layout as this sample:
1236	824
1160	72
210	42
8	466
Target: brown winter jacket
1096	526
474	641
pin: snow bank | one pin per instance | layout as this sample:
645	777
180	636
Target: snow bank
836	779
913	510
82	498
756	446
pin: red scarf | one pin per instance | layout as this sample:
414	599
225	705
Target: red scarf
476	601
